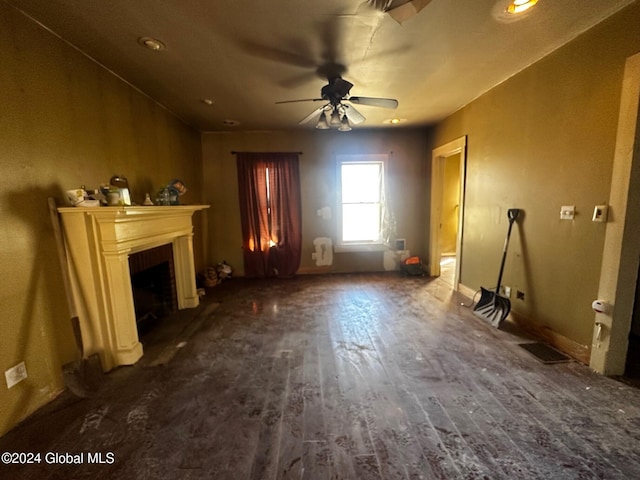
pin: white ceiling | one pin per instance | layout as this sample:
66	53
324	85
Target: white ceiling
247	54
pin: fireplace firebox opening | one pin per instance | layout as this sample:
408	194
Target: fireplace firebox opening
153	285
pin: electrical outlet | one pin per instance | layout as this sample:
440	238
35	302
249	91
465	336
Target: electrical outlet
506	291
600	213
15	374
567	212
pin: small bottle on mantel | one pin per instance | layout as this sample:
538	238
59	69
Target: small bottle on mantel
147	200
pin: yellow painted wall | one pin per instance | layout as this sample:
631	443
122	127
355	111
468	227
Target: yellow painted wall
406	176
543	139
450	205
64	121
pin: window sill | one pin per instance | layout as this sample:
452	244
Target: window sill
360	247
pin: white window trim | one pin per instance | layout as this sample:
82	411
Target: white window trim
343	247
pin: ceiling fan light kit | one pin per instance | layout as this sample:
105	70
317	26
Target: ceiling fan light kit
338	119
335	118
343	115
344	125
322	122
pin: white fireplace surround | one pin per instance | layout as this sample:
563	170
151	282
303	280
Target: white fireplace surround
99	241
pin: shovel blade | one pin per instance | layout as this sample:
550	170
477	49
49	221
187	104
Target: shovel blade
492	308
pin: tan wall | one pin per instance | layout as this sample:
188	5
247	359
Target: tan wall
406	175
64	121
450	205
543	139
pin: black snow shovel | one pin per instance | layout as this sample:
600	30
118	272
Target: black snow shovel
493	308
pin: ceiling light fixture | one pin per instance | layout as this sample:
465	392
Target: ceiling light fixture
151	43
344	125
335	118
520	6
338	118
207	101
395	121
322	122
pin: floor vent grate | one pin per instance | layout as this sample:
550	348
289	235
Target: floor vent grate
545	353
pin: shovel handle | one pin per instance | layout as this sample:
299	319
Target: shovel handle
512	214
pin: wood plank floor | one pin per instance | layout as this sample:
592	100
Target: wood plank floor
362	376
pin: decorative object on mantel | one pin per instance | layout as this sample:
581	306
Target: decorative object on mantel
147	200
170	194
165	195
118	193
120	182
80	197
114	194
179	186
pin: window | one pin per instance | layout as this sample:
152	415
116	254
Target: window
361	200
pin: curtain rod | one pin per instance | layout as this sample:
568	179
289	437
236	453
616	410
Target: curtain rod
233	152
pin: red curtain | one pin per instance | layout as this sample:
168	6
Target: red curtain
270	211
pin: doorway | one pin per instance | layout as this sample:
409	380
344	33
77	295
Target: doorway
450	218
448	172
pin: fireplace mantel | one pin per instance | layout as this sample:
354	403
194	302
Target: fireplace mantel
99	241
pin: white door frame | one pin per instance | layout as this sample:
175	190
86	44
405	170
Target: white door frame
621	252
438	158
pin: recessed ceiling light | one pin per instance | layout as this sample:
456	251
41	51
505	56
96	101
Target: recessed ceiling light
509	11
207	101
519	6
395	121
151	43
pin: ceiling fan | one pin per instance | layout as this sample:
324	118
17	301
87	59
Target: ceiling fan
337	111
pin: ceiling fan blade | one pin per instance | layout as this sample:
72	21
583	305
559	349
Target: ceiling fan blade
353	115
275	54
302	100
374	102
298	80
312	115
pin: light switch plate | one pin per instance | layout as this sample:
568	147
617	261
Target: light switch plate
567	212
15	374
600	213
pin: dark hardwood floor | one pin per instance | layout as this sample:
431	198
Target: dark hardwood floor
363	376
